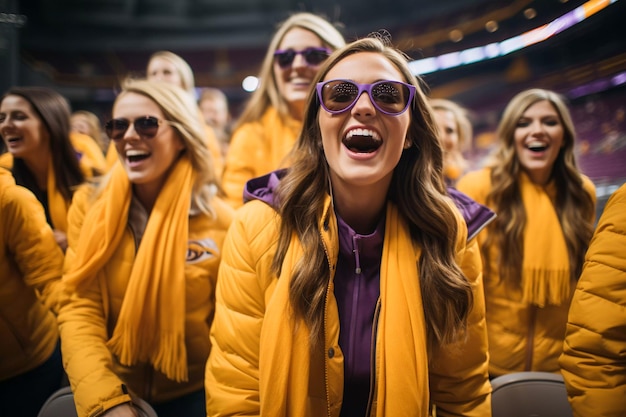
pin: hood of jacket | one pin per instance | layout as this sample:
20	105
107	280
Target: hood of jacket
476	216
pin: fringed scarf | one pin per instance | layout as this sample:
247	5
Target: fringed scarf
151	324
545	267
402	363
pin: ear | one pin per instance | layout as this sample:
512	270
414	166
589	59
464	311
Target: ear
407	143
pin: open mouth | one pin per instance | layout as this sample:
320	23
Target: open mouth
537	146
136	155
362	141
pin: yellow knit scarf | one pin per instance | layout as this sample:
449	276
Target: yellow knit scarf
151	324
401	358
545	268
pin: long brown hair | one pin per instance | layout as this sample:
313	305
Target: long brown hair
54	112
574	206
417	188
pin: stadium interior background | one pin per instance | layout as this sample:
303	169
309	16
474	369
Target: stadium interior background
83	48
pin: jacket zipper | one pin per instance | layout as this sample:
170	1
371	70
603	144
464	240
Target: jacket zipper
531	338
374	364
330	269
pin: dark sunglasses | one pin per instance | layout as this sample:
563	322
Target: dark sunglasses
312	56
388	97
146	127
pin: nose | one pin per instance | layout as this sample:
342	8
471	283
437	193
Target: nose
130	133
363	106
536	127
299	62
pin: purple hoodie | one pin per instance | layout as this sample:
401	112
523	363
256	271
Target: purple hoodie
357	287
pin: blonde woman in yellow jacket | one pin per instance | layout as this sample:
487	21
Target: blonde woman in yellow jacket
168	67
533	252
142	265
30	276
592	362
348	286
35	127
270	123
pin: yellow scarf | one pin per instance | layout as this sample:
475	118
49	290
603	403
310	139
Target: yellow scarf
402	363
545	268
151	323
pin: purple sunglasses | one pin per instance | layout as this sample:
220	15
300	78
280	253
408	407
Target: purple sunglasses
389	97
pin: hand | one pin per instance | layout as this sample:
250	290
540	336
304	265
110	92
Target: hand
122	410
61	239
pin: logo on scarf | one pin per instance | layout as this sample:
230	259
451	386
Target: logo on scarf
201	250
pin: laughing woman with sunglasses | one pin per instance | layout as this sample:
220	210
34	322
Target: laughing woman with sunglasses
271	121
350	283
142	264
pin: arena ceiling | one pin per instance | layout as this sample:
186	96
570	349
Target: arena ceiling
91	43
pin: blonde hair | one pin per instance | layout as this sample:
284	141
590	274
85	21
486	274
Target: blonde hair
180	110
463	124
574	205
213	94
182	67
267	94
94	126
417	188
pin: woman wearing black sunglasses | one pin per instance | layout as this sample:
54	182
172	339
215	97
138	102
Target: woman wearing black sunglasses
352	280
272	118
142	263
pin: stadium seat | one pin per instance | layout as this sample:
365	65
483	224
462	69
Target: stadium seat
525	394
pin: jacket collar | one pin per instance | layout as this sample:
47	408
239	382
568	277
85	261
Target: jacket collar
476	216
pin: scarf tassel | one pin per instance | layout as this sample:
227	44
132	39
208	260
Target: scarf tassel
541	287
125	345
171	357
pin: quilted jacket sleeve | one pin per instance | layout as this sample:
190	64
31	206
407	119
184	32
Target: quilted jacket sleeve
459	379
594	352
31	243
244	282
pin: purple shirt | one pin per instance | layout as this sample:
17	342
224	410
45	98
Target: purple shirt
357	288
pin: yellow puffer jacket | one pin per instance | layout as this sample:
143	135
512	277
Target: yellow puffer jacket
31	263
256	149
593	361
91	154
245	377
98	380
522	337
